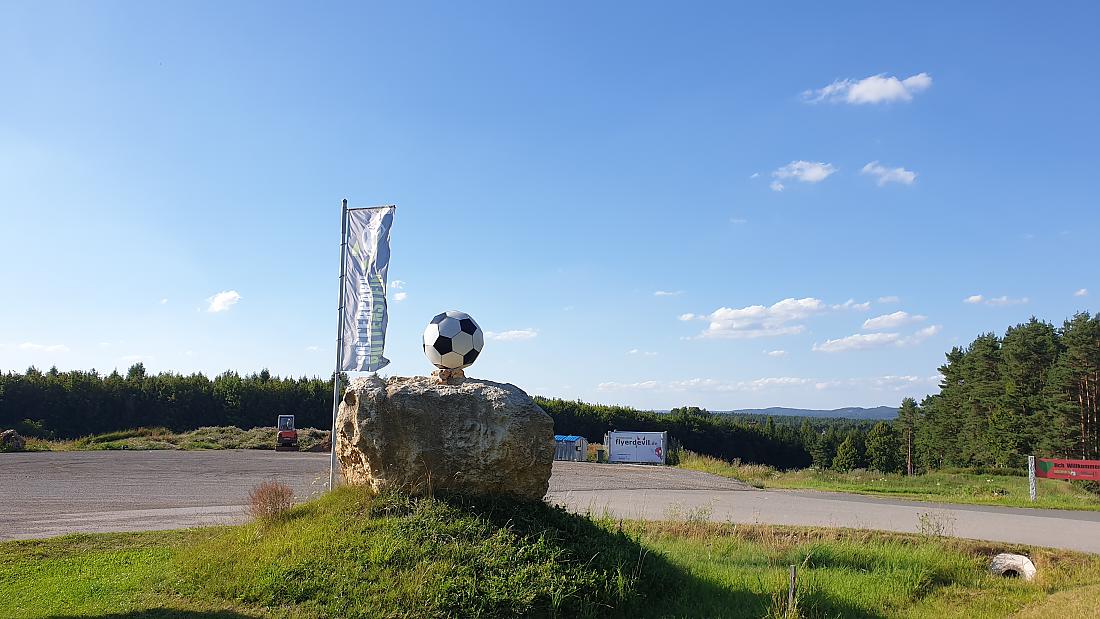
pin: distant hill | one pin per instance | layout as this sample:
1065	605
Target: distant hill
851	412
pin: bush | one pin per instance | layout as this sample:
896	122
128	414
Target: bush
984	470
33	429
270	500
1088	486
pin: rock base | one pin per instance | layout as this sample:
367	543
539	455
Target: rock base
448	377
421	436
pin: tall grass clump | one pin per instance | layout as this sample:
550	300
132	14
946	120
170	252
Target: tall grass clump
270	500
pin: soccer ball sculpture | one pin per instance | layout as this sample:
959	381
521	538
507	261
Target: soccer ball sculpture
453	340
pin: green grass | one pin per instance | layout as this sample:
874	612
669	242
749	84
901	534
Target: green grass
219	437
947	487
351	554
858	573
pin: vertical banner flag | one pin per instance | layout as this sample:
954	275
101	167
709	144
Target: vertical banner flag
366	263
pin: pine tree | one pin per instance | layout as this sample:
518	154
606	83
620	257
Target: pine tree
807	435
847	457
883	452
1081	336
824	449
860	445
1029	352
908	419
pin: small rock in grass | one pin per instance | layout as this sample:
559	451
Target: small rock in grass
10	440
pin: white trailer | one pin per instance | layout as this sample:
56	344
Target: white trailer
636	447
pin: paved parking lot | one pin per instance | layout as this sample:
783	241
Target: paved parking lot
47	494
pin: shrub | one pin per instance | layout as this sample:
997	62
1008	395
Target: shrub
847	456
270	500
1087	486
33	429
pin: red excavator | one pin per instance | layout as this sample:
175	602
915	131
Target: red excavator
288	436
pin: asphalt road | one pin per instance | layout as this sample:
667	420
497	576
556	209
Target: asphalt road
47	494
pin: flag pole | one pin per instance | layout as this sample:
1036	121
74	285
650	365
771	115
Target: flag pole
339	343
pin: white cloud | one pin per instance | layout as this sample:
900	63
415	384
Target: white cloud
643	353
776	186
164	301
668	293
852	305
738	220
890	383
400	296
312	348
775	353
804	171
133	358
397	284
874	89
515	335
781	318
33	347
706	384
1004	300
758	320
1083	292
864	341
859	341
995	301
223	301
889	175
889	299
890	321
614	386
755	174
922	334
881	383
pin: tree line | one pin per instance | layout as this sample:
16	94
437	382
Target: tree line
55	404
1031	392
78	403
65	405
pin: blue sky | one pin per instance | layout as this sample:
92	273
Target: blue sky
598	187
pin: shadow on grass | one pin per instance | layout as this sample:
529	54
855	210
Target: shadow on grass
653	585
166	613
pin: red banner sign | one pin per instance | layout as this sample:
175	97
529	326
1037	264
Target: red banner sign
1056	468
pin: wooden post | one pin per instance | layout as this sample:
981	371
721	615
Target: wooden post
790	591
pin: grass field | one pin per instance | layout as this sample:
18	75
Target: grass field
350	554
219	437
947	487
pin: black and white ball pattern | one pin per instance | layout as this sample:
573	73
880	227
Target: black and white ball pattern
453	340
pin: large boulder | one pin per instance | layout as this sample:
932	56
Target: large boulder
10	440
420	435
